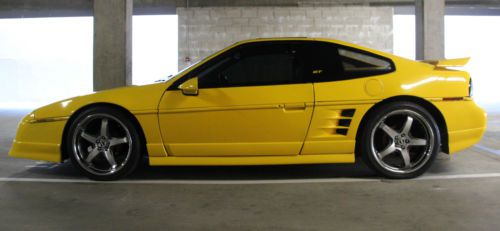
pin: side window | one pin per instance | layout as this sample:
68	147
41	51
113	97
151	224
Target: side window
265	64
322	62
360	64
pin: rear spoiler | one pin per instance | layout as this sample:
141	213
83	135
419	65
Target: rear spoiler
448	62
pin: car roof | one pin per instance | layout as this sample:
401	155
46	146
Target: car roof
329	40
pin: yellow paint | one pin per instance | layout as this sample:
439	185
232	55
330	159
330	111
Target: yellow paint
39	141
190	87
466	123
140	101
449	62
322	137
374	87
253	160
235	121
281	124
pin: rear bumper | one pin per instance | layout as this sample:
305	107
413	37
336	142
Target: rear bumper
460	140
38	141
465	122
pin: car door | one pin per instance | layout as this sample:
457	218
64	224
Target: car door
252	100
343	80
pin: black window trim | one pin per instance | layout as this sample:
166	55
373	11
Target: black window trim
193	73
343	75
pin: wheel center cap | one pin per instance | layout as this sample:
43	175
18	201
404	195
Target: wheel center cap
401	141
102	142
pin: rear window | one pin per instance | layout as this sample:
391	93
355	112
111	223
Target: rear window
359	64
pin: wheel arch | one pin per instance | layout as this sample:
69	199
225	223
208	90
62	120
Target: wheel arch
433	110
72	118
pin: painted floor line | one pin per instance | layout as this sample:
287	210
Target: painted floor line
490	150
249	182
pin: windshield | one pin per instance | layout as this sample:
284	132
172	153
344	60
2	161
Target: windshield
188	67
170	77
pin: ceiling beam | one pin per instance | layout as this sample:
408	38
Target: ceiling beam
65	8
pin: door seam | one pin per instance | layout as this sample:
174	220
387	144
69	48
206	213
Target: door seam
310	120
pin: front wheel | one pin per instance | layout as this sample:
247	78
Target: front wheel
400	140
103	143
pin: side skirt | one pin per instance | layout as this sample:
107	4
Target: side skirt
253	160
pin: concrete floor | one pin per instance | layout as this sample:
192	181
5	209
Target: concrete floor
458	193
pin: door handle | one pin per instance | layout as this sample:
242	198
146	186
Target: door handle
294	106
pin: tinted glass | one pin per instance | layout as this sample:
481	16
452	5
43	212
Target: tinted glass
264	64
322	62
357	64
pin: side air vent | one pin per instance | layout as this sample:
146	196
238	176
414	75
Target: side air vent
341	131
347	112
344	121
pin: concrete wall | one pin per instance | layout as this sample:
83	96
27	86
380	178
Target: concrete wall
205	30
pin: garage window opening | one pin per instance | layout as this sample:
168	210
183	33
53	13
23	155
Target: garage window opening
154	49
465	36
43	60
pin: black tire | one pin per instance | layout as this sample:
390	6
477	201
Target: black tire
391	133
103	143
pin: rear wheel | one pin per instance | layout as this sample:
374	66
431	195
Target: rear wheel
400	140
103	143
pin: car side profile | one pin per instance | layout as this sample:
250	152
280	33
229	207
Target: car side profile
268	102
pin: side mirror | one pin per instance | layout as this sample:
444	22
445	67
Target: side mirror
190	87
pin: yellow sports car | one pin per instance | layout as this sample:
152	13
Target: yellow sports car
268	102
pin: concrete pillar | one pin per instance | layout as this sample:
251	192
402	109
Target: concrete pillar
112	43
429	18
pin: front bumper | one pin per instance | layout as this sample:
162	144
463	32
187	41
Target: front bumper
39	140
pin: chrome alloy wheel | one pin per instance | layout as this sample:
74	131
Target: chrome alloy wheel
402	141
102	144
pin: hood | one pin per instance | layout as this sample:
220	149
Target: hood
132	98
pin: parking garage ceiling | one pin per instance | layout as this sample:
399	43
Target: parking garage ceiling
64	8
